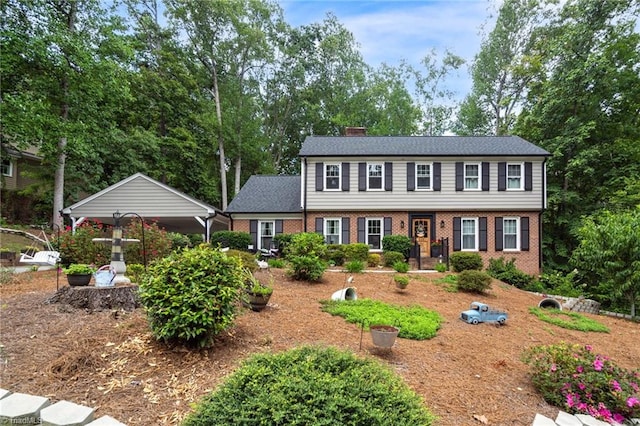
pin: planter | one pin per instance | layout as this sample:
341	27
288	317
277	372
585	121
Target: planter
76	280
383	336
258	302
436	251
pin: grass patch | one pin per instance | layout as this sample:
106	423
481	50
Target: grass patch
568	320
448	282
415	322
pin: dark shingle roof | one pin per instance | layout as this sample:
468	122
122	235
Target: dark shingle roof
329	146
268	194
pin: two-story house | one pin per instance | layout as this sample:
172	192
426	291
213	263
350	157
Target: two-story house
485	194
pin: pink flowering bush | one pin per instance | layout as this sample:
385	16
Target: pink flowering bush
574	378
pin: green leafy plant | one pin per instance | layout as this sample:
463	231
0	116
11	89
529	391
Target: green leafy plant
575	379
391	257
402	281
401	266
568	320
373	259
233	239
415	322
450	282
463	261
507	272
276	263
335	254
79	269
398	243
356	251
354	266
559	283
441	267
135	272
254	286
191	295
305	254
312	386
474	281
247	259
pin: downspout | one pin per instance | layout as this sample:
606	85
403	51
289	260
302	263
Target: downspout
304	194
544	206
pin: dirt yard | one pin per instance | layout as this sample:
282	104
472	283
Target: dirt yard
467	375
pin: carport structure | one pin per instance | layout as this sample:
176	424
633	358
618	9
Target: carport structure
139	195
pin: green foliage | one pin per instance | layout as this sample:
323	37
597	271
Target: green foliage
7	275
305	255
575	379
356	251
307	244
401	281
233	239
79	269
354	266
557	283
335	254
306	268
508	273
392	257
401	266
450	282
247	259
282	241
157	242
135	272
178	241
474	281
312	386
373	260
397	243
464	261
568	320
254	286
191	295
441	267
415	322
79	247
276	263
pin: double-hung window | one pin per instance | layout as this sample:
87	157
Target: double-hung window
375	176
472	176
266	234
332	231
470	234
514	176
7	167
423	175
374	233
332	176
511	233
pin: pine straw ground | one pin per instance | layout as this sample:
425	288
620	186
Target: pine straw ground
467	375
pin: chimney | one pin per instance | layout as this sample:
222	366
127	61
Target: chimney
355	131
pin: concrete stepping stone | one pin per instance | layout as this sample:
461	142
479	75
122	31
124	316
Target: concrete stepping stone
106	421
65	413
20	408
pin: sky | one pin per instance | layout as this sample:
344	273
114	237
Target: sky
389	31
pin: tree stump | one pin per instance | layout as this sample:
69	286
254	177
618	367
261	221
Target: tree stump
98	298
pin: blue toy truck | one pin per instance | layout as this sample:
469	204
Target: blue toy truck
480	312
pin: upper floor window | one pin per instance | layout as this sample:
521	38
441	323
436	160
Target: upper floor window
332	231
266	234
511	233
374	233
470	234
332	176
514	176
472	176
375	173
7	167
423	176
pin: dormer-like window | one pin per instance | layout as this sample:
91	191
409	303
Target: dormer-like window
332	176
375	175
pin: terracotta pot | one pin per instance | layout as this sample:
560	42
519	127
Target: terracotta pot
76	280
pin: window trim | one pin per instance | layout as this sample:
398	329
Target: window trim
504	234
324	176
476	225
260	235
325	227
9	164
366	232
521	187
430	187
478	177
381	164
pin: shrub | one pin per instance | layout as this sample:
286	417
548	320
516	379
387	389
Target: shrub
305	254
401	266
307	244
355	266
335	254
191	295
135	272
474	281
282	241
401	280
391	257
356	251
79	247
312	386
276	263
464	261
157	242
441	267
577	380
397	243
247	259
373	259
178	241
233	239
306	268
508	273
559	284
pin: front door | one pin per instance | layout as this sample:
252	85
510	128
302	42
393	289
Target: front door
422	234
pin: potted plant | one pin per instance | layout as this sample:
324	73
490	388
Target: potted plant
436	248
384	336
402	281
79	274
258	294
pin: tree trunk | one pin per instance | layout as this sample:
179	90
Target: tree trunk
98	298
223	159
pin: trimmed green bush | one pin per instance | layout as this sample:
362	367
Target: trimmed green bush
391	257
465	261
335	254
192	295
282	241
441	267
312	386
354	266
306	268
474	281
356	251
508	273
248	260
401	266
398	243
233	239
305	254
373	259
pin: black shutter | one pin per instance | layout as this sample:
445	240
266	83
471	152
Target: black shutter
482	225
437	176
345	230
502	176
459	176
253	230
524	233
499	235
411	176
319	176
387	225
362	176
361	230
528	176
279	226
345	176
319	225
388	176
457	234
485	175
